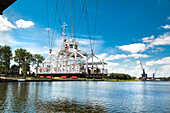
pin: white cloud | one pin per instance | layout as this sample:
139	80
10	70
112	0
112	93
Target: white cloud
166	26
24	24
28	38
8	39
165	60
87	36
162	40
121	56
5	25
139	55
102	56
138	70
133	48
148	39
111	66
117	56
84	41
158	49
84	45
138	62
135	70
165	70
37	50
125	65
45	47
127	60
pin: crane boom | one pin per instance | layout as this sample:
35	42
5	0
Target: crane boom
143	70
141	64
155	71
154	74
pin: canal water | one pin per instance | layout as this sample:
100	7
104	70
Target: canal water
82	96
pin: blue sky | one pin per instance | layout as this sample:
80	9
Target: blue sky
127	30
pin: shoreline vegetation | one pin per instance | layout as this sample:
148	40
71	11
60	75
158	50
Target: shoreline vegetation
23	60
57	79
110	77
37	79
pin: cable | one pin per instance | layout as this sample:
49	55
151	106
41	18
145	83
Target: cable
66	18
54	24
83	19
95	24
88	28
48	24
71	17
80	16
74	16
60	17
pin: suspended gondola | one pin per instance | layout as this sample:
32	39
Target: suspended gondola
70	60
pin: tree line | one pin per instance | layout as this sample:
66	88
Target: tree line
120	76
21	57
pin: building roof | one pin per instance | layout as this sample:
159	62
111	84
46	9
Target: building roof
5	4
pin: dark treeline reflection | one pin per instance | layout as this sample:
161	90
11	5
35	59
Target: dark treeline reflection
68	105
13	95
37	98
3	91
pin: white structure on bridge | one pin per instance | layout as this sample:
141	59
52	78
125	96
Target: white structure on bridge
71	60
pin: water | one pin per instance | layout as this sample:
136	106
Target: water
41	97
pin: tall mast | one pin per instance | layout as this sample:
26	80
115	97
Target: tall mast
63	32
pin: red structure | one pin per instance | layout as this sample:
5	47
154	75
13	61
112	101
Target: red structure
63	77
74	77
49	76
41	76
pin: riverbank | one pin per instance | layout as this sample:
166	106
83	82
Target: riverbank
34	79
37	79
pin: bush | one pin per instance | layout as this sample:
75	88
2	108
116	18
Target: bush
120	76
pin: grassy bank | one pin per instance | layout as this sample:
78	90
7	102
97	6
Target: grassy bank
120	80
64	79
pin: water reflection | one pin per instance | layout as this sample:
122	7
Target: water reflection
85	97
43	97
68	105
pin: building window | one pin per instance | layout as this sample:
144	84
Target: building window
71	45
76	46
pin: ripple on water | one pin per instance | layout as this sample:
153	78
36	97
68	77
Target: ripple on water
83	97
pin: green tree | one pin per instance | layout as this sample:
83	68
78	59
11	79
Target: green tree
37	60
119	76
5	57
24	69
24	59
29	59
20	56
14	70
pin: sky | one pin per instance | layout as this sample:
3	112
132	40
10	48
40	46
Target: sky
126	31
